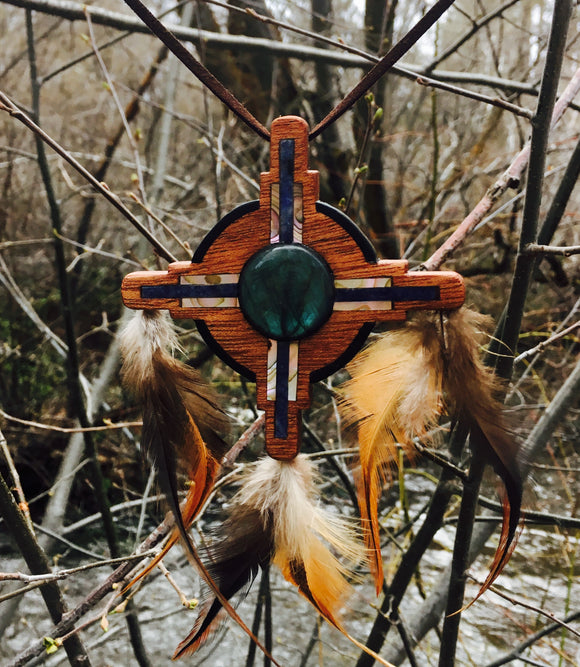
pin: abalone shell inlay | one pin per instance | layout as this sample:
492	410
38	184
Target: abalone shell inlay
386	295
212	290
266	300
297	218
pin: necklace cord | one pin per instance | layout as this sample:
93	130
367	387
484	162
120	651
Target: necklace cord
196	68
229	99
383	65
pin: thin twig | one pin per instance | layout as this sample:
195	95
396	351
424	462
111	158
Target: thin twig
532	607
160	222
18	295
16	484
248	436
384	65
7	105
112	89
111	42
475	27
64	574
68	621
510	178
37	562
196	68
564	251
61	429
480	97
188	604
531	640
545	343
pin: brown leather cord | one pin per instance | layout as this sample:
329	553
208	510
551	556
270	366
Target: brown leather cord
196	68
384	64
227	97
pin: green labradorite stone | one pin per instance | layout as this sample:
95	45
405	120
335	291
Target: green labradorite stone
286	291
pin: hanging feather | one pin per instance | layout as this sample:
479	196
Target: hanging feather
233	565
394	395
182	420
275	519
472	389
190	508
400	385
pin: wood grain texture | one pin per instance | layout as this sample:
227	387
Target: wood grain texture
241	237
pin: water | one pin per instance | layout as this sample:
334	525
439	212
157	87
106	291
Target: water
542	573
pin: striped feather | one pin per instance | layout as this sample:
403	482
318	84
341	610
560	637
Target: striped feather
400	384
275	519
472	388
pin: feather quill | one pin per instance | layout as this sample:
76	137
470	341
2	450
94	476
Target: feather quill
395	394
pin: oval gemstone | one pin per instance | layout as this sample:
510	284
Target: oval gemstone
286	291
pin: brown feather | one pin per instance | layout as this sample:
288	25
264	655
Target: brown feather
302	530
232	564
472	389
394	395
276	519
197	494
179	409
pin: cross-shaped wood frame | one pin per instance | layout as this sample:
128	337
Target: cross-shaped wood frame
257	340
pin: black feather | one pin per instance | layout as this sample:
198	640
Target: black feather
233	565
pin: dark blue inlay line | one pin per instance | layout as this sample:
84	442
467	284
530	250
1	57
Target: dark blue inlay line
415	293
282	378
286	155
189	291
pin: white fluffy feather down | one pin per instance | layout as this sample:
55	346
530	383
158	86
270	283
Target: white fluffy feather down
286	489
146	333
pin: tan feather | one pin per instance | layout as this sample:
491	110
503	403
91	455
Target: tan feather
283	493
275	518
148	344
394	395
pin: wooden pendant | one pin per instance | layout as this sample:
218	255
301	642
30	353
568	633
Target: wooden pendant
286	289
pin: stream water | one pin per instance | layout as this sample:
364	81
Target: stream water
543	573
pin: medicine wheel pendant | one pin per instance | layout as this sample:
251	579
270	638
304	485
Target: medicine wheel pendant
286	289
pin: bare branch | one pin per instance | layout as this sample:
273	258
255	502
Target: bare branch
563	251
493	101
532	607
545	343
509	179
64	574
62	429
6	104
356	59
